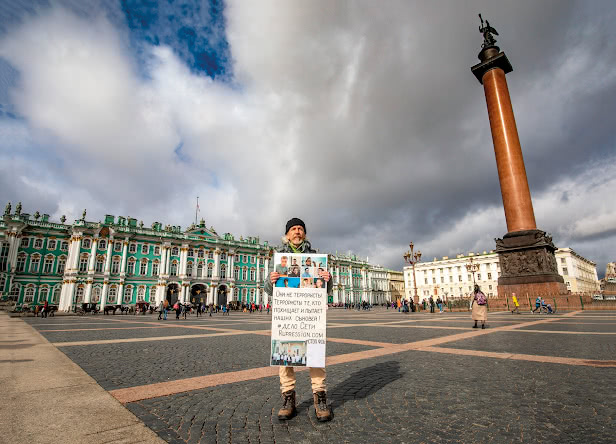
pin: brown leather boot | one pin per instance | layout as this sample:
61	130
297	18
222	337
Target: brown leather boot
287	411
324	413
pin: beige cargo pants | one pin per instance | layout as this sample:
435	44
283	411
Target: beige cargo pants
287	379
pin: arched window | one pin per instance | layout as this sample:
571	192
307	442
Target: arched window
38	243
210	270
115	265
14	294
29	295
223	256
173	271
48	264
145	249
141	294
96	294
35	261
200	270
83	263
87	243
253	274
252	295
236	292
189	268
102	244
210	254
79	294
61	265
131	266
4	255
128	294
43	293
244	273
191	252
244	294
236	273
100	264
2	282
153	294
174	251
155	267
112	295
143	269
55	299
223	271
200	253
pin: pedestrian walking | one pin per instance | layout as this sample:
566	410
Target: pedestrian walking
211	309
537	305
479	306
431	304
198	309
516	304
294	241
161	306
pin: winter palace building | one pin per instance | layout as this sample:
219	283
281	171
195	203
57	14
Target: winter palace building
119	261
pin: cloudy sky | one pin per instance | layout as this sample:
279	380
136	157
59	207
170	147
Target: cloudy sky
361	117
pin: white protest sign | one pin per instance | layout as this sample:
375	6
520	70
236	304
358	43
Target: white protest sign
299	304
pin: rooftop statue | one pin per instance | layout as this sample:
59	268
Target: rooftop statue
18	209
7	209
487	31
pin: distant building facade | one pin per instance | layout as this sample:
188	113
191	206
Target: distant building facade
450	277
119	261
396	285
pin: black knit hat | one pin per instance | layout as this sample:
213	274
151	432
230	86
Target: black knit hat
293	222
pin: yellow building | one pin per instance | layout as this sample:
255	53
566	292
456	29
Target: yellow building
396	285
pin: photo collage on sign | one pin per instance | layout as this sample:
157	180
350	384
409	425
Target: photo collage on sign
301	271
289	353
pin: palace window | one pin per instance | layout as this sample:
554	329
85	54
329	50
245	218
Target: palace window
237	258
191	252
426	281
210	254
64	246
565	271
117	247
115	265
4	256
128	294
253	274
143	269
56	295
174	251
236	293
450	278
14	293
201	253
132	248
155	268
460	278
83	263
434	280
489	276
29	295
48	265
442	280
236	273
223	256
562	260
157	251
244	294
130	269
223	271
152	294
102	244
25	241
478	276
141	294
87	243
210	270
252	259
51	244
173	271
200	270
189	268
79	295
244	258
145	249
96	294
2	282
38	243
244	273
252	295
43	293
112	296
61	264
100	264
34	264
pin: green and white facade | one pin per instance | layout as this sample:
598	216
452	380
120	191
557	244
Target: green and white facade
119	261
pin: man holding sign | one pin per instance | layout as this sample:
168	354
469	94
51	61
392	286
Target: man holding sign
294	242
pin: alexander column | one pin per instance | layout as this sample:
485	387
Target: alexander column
526	254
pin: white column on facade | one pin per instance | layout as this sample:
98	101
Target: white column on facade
163	260
124	255
13	246
92	260
212	293
183	260
266	269
88	296
216	273
168	260
77	252
120	294
108	258
230	265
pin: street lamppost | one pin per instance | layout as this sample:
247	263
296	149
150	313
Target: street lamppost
412	257
472	268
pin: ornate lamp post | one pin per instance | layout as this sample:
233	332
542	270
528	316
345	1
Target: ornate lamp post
472	268
411	257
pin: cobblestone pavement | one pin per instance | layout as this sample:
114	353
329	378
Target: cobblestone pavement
409	382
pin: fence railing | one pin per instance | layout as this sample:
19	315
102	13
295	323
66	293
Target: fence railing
568	302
